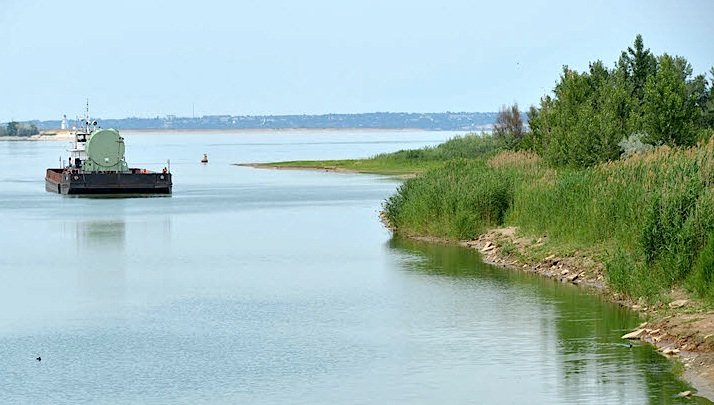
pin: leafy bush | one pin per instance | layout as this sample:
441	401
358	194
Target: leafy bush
590	113
633	145
509	126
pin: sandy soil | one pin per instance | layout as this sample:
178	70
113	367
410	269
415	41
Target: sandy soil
56	135
310	168
333	169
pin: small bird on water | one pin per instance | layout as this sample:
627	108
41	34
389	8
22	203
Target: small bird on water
38	358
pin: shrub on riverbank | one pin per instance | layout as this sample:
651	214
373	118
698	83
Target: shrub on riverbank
598	177
651	216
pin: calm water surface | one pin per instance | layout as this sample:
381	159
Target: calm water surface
261	286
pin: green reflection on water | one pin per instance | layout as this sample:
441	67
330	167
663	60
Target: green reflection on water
587	329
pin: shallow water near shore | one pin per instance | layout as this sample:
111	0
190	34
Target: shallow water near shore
263	286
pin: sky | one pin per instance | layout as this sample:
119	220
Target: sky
148	58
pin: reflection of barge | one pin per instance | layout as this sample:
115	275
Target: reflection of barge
97	166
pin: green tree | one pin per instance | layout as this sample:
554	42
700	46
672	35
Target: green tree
638	64
28	130
654	99
669	109
707	105
583	124
509	125
12	128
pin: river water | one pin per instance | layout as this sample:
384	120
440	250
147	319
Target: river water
265	286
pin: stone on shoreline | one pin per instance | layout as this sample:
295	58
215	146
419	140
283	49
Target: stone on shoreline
634	335
670	351
678	304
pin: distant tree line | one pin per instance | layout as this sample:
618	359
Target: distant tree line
598	115
452	121
14	128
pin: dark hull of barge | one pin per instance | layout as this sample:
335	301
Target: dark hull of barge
135	182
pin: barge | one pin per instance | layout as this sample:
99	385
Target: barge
97	166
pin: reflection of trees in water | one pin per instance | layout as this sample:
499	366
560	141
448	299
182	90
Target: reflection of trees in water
589	331
585	330
445	260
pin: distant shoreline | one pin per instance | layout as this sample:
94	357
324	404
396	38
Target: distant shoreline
430	121
67	135
258	130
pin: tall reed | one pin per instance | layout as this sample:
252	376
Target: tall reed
651	215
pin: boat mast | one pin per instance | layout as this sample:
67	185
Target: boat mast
86	120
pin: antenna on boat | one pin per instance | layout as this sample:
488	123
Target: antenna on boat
86	118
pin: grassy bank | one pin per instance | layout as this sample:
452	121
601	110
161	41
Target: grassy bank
404	162
650	218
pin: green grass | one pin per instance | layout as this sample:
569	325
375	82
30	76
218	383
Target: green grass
372	165
650	217
405	162
458	200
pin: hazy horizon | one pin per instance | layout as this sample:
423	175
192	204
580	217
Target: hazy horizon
80	113
135	59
